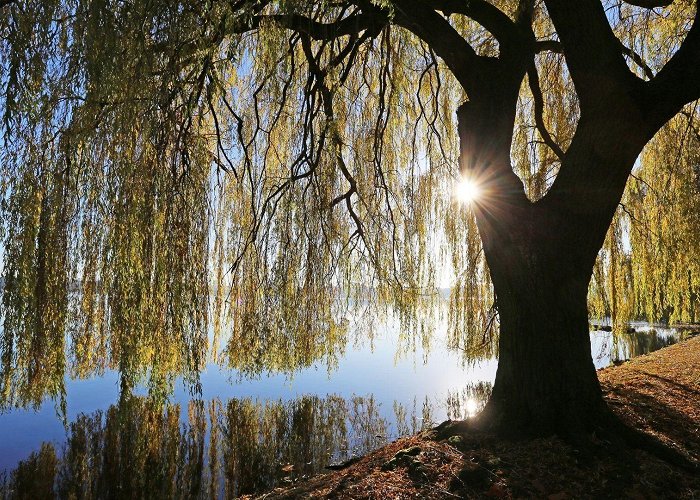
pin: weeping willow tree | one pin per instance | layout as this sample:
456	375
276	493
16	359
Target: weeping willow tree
267	167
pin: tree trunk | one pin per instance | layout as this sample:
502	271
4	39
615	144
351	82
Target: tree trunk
546	381
541	258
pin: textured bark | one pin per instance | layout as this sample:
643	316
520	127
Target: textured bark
541	258
546	381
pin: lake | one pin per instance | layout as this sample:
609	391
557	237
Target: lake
239	433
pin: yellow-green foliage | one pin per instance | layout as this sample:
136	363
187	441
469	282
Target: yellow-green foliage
170	168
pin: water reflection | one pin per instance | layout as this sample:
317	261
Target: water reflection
632	344
468	401
610	348
138	448
242	430
36	365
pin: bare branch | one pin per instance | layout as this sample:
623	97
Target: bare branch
637	58
327	98
534	82
649	4
691	125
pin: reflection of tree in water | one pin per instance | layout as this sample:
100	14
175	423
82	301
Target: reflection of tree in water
628	345
36	363
469	401
138	448
134	449
261	443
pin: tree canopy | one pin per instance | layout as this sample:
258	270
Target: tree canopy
268	167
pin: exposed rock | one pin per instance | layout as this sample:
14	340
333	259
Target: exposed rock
403	458
343	465
411	452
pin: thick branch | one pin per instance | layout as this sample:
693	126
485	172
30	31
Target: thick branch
549	46
484	13
608	140
678	82
436	31
598	68
320	31
525	12
556	47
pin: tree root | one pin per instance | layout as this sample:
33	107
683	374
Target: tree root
450	428
607	434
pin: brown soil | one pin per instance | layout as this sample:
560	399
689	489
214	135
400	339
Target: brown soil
658	393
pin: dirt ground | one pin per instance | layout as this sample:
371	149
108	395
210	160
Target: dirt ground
658	393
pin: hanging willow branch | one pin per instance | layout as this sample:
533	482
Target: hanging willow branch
264	167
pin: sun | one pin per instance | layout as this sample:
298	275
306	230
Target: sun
467	191
472	407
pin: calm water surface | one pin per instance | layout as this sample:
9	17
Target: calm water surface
245	434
